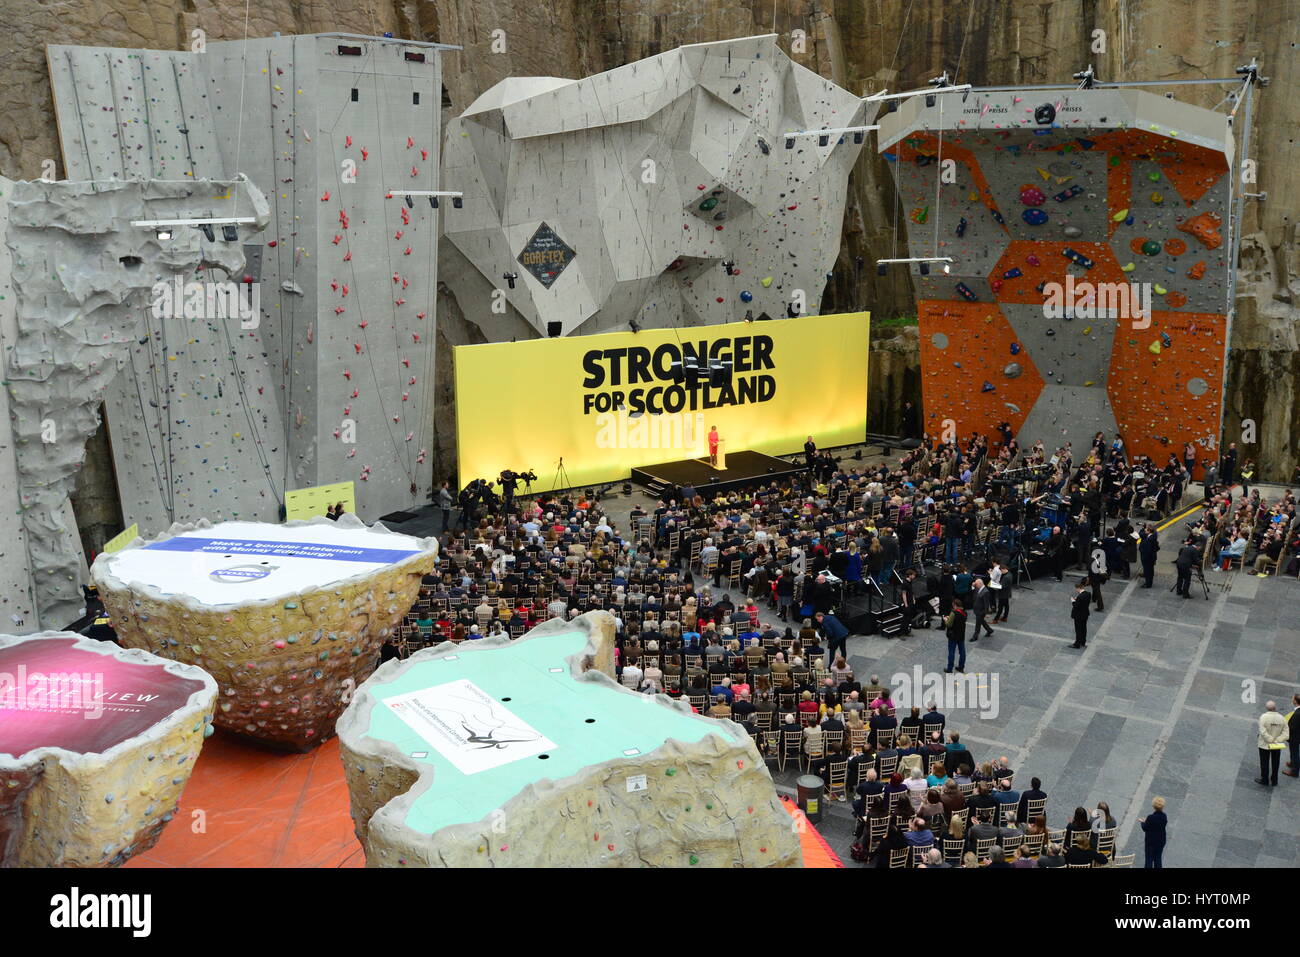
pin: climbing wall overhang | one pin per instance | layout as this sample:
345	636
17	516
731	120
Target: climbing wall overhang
601	195
335	381
1089	284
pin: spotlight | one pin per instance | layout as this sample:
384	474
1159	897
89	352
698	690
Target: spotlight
510	278
882	269
762	145
230	233
824	139
857	137
789	142
947	268
891	106
925	269
164	234
206	229
458	202
930	99
634	326
433	201
410	203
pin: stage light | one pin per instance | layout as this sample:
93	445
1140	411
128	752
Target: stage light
892	106
164	234
410	203
510	278
789	142
882	269
458	202
433	201
823	140
925	269
206	229
857	137
230	233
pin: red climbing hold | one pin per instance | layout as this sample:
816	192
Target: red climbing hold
406	251
348	257
326	197
415	171
400	302
410	141
424	154
357	346
337	240
365	154
347	141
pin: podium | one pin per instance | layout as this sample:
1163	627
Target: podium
722	455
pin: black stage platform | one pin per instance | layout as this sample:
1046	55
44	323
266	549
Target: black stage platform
743	468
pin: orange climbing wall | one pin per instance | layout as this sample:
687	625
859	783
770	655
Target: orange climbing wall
1120	196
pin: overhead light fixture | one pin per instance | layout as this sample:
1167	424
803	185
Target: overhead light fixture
857	137
925	269
510	278
230	233
457	202
823	140
789	142
433	201
206	229
947	267
882	269
410	203
164	234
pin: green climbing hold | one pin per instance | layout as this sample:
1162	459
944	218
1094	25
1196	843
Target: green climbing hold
708	204
670	772
1151	248
694	859
1153	176
290	605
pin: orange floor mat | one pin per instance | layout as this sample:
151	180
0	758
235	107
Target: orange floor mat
245	806
260	808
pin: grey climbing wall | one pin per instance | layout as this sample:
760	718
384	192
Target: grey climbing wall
82	276
332	383
618	197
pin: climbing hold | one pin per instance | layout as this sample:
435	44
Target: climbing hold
1015	348
1032	196
1127	267
1011	370
987	386
1120	216
1074	232
1154	348
1175	246
765	281
1205	228
1034	217
1197	271
1151	248
746	296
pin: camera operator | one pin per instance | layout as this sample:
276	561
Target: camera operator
509	482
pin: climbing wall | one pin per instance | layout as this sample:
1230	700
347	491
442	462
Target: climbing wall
1089	285
82	275
331	383
17	598
619	197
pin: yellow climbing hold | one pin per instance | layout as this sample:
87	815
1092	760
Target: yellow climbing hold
1127	267
1154	348
1157	198
1088	383
1120	216
1087	329
765	281
972	196
1160	290
1043	173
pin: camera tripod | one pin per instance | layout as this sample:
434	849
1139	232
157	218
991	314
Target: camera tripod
560	473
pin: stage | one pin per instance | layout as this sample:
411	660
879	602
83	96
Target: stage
743	468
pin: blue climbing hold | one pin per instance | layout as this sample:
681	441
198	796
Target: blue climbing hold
1034	216
746	296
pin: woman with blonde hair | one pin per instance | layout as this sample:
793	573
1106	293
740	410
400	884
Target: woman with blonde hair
1154	828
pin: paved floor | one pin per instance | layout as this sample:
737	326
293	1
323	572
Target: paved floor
1163	701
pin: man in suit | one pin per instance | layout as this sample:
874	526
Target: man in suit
983	829
910	430
837	635
1147	549
1035	793
1080	609
983	601
1188	556
810	451
1056	552
934	720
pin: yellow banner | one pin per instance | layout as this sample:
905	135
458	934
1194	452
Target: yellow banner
316	499
122	539
613	402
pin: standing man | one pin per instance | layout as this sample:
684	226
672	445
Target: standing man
810	451
713	446
1056	552
955	625
837	635
1293	737
909	421
1079	611
1228	467
1211	478
1097	573
1147	549
983	601
444	503
1273	736
1188	556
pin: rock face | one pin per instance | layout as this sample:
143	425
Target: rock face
96	745
630	797
897	44
286	666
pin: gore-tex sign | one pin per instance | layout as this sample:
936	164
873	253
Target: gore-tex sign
546	255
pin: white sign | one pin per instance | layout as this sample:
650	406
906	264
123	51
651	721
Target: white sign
636	782
467	726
